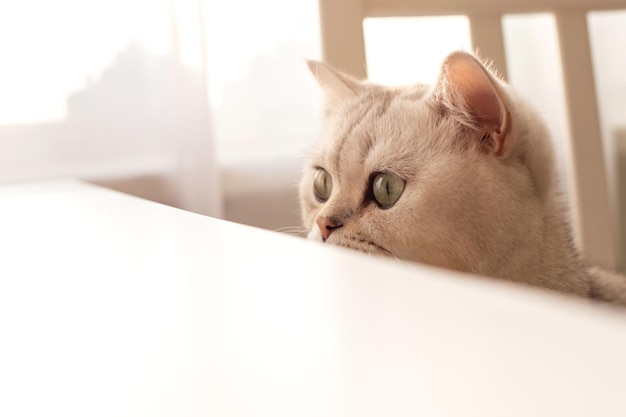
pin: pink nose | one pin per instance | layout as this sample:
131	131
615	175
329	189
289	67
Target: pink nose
327	226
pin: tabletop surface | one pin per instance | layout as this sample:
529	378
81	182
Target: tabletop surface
115	306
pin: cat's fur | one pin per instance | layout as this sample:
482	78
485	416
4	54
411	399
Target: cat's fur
481	192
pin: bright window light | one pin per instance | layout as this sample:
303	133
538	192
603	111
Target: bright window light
404	50
52	49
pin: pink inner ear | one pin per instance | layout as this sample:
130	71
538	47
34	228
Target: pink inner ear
469	90
469	80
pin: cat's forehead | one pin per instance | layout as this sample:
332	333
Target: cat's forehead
381	129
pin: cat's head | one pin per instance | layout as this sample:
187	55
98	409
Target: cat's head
455	174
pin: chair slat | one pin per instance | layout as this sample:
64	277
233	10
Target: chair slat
342	35
587	156
381	8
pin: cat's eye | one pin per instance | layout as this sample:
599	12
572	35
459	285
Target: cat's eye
387	189
322	184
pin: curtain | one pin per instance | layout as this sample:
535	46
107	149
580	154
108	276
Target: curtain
113	92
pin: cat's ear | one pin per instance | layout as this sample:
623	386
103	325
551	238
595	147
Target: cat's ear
337	87
469	91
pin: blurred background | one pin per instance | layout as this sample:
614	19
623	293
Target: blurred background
207	105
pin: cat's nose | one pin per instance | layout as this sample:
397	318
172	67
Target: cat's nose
327	225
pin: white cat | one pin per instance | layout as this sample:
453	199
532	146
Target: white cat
458	175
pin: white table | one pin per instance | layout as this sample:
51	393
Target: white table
114	306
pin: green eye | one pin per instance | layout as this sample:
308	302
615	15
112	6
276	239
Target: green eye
387	189
322	185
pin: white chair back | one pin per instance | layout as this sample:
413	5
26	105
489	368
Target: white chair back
344	47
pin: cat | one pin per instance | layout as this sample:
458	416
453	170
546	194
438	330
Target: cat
459	174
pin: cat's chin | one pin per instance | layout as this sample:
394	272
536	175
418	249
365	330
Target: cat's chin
352	242
360	245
